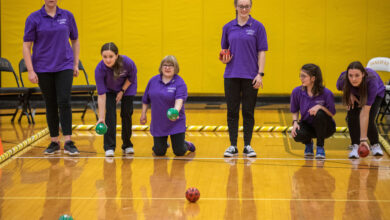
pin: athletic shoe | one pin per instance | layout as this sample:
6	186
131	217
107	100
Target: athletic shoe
354	152
309	150
320	153
190	146
376	150
54	147
128	150
70	149
248	150
109	153
231	151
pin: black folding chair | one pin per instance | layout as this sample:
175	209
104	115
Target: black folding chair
77	90
21	92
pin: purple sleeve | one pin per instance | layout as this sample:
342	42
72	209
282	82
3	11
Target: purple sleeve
372	91
181	91
74	34
132	71
294	101
99	78
262	44
225	40
29	30
329	102
145	97
340	81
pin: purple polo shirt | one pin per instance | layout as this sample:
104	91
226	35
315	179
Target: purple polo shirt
244	43
302	102
161	97
375	86
105	81
50	36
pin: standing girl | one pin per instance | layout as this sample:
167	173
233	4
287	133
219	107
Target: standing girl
52	65
363	91
246	39
116	80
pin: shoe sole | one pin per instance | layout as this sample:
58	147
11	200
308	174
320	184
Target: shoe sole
70	153
308	154
229	154
54	152
320	157
250	155
127	153
353	157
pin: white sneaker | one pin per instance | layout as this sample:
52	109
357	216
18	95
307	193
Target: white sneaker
354	152
231	151
376	150
128	150
248	150
109	153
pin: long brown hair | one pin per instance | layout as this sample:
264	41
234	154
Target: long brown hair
362	87
314	70
118	65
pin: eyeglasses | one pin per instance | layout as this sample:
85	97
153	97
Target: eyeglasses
168	66
242	7
303	76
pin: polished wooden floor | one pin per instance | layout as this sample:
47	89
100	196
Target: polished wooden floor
279	184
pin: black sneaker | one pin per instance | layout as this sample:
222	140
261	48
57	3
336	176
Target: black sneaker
53	148
70	149
248	150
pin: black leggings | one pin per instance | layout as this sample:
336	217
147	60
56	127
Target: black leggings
126	113
239	90
354	123
56	89
322	127
178	144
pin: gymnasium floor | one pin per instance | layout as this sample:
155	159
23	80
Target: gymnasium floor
279	184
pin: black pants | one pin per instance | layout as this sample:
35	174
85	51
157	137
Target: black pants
126	113
178	145
354	123
239	90
322	127
56	89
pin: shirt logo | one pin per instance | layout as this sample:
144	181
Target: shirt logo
250	32
171	89
320	102
61	21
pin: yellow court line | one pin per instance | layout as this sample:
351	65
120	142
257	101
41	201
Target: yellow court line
182	198
14	150
209	128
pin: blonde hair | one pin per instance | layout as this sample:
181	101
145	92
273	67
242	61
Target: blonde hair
170	59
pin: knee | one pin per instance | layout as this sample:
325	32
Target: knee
158	151
179	152
320	114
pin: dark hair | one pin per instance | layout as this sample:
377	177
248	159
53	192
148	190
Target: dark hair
235	5
362	87
118	65
314	70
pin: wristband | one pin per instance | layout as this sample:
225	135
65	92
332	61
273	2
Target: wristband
363	140
122	90
294	121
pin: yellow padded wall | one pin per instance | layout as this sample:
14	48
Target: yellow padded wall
329	33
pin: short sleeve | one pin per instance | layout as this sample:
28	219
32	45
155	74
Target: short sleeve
73	35
100	82
262	44
294	100
29	30
225	39
145	97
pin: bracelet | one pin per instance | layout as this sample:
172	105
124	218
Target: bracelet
294	121
363	140
122	90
